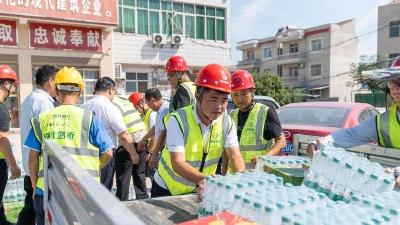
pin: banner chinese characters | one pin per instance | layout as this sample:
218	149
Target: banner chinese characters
8	33
65	37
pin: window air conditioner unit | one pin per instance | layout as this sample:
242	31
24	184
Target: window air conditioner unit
177	39
159	39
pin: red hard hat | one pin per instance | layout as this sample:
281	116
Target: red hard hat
241	80
396	62
135	98
176	64
6	72
215	77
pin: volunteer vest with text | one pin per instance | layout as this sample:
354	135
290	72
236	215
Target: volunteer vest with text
202	156
68	126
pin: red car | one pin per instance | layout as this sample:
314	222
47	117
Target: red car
321	118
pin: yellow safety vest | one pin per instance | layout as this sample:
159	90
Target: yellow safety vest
146	118
131	116
68	126
191	90
252	142
202	156
388	127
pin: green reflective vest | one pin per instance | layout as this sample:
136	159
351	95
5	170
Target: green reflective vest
131	116
146	118
202	157
388	127
191	90
68	126
252	142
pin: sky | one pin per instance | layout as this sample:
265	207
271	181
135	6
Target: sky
262	18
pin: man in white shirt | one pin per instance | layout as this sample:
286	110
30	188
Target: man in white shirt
101	104
155	101
38	101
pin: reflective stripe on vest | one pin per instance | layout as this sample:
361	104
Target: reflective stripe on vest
146	118
252	142
68	126
194	150
388	126
191	90
131	116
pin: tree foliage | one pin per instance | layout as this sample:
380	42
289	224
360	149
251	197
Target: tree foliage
272	85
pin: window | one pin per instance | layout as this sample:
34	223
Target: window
279	69
316	45
250	55
154	16
293	48
293	71
280	51
394	29
267	52
316	70
136	82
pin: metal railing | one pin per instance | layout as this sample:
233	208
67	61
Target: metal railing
387	157
73	196
247	62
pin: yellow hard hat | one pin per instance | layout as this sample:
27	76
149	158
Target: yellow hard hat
68	75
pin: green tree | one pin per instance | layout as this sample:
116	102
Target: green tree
367	63
272	85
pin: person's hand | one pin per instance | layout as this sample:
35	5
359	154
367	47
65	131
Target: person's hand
397	183
141	145
153	161
255	160
200	190
15	171
148	156
135	158
312	148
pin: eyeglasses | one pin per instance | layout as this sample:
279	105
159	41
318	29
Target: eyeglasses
393	83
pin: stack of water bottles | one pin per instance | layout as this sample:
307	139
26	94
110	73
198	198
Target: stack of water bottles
257	196
281	161
14	191
338	174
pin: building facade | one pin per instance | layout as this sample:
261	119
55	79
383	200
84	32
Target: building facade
316	59
151	31
129	40
389	30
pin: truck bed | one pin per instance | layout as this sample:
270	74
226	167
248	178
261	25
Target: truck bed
165	210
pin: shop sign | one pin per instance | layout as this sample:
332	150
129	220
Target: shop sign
90	11
65	37
8	33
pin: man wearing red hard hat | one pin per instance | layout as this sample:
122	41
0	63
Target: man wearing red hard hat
259	129
197	135
8	85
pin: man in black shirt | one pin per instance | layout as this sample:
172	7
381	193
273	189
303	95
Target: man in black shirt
258	127
182	88
8	85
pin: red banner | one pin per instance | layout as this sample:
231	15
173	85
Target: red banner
92	11
65	37
8	33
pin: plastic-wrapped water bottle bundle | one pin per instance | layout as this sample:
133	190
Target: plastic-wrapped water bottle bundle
14	191
257	196
339	173
281	161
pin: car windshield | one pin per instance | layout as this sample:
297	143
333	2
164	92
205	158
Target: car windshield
315	116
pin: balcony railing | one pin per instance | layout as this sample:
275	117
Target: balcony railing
298	57
249	62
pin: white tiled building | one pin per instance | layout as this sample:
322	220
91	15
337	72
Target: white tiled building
203	27
317	59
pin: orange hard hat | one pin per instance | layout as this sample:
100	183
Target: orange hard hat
135	98
214	76
176	64
7	73
241	80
